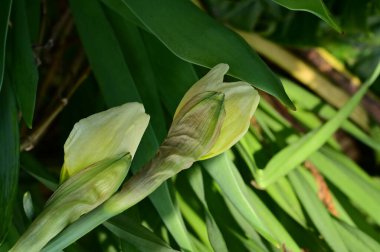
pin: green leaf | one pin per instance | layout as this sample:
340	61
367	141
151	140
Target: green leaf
272	222
214	234
174	76
317	7
357	186
300	150
36	170
355	239
136	56
305	99
136	234
24	74
9	156
197	38
284	195
117	86
5	12
223	172
316	210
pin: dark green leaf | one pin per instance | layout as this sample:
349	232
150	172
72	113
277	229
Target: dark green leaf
317	7
197	38
9	156
5	12
24	75
136	235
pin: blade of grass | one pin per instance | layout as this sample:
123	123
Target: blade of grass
304	74
358	188
223	172
214	234
304	99
316	210
355	239
299	151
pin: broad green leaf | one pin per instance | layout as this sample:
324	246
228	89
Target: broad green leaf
24	75
358	188
198	39
300	150
9	156
222	171
316	210
117	86
137	235
317	7
5	12
355	239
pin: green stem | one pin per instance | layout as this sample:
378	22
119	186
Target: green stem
142	184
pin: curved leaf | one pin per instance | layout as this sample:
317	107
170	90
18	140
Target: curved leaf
317	7
197	38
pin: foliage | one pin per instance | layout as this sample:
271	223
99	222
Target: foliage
304	179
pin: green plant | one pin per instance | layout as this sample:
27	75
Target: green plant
291	183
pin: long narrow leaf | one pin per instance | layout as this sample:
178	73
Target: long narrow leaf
9	156
316	210
221	170
299	151
24	75
5	12
358	188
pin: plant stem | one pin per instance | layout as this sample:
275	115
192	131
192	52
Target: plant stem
142	184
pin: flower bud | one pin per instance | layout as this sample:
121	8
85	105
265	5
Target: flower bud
103	135
240	102
78	195
196	127
98	154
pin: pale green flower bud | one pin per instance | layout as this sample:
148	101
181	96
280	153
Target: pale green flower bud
78	195
192	134
197	126
103	135
240	102
98	154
